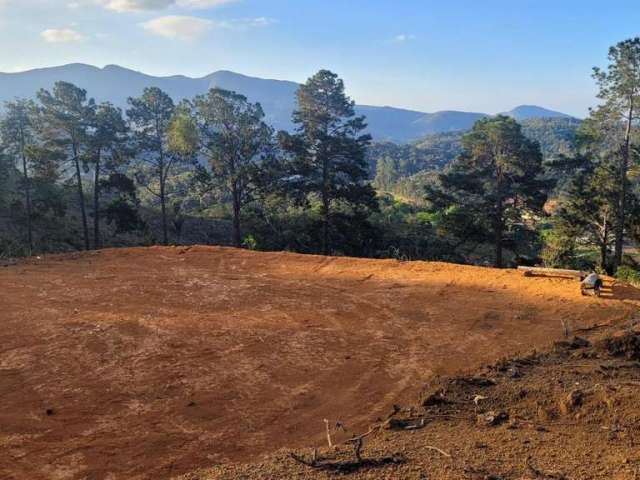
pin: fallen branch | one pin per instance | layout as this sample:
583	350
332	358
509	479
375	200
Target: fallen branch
593	327
358	449
442	452
541	474
371	431
350	466
326	423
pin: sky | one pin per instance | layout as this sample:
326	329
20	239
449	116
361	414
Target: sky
472	55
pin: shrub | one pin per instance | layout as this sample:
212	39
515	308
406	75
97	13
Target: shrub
250	243
628	274
558	251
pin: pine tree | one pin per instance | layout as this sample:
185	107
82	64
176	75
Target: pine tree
490	187
587	208
65	117
235	139
107	145
150	116
619	88
17	133
327	151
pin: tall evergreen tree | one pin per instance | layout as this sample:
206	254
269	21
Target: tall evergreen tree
588	207
327	151
619	88
150	116
65	118
491	185
17	134
107	145
235	139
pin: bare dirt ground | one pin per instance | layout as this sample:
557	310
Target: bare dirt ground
151	363
567	413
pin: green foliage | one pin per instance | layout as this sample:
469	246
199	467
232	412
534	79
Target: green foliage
6	183
405	169
152	116
588	206
628	275
123	213
65	117
391	162
249	242
555	135
326	158
492	186
182	136
234	139
559	250
210	171
619	89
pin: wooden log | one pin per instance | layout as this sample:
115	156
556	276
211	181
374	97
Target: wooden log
558	272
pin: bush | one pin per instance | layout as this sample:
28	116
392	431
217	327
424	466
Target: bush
558	251
628	275
250	243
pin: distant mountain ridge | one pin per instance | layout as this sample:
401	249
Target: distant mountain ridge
526	112
277	97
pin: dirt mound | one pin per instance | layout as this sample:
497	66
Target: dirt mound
149	363
626	345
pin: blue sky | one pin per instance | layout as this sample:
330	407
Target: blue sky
474	55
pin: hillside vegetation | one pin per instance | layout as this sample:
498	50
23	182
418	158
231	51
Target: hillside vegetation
217	168
403	169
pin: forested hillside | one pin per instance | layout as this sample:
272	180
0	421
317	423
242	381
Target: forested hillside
403	169
83	174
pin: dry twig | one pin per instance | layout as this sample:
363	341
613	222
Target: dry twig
442	452
326	423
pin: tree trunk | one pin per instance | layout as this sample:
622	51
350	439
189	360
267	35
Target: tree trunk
622	199
604	245
163	179
27	194
163	208
236	216
326	248
96	205
499	222
498	233
83	211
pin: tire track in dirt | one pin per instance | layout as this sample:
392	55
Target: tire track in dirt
159	361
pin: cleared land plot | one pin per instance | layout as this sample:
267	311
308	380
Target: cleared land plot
148	363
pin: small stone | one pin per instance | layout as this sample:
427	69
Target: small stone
492	419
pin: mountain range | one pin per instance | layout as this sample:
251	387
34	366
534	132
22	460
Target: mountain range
277	97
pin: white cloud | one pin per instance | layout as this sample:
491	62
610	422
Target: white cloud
150	5
61	35
178	27
245	23
137	5
16	68
403	37
202	4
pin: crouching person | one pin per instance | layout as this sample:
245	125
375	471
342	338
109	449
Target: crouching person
593	282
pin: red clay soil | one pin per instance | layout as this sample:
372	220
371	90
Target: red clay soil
154	362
